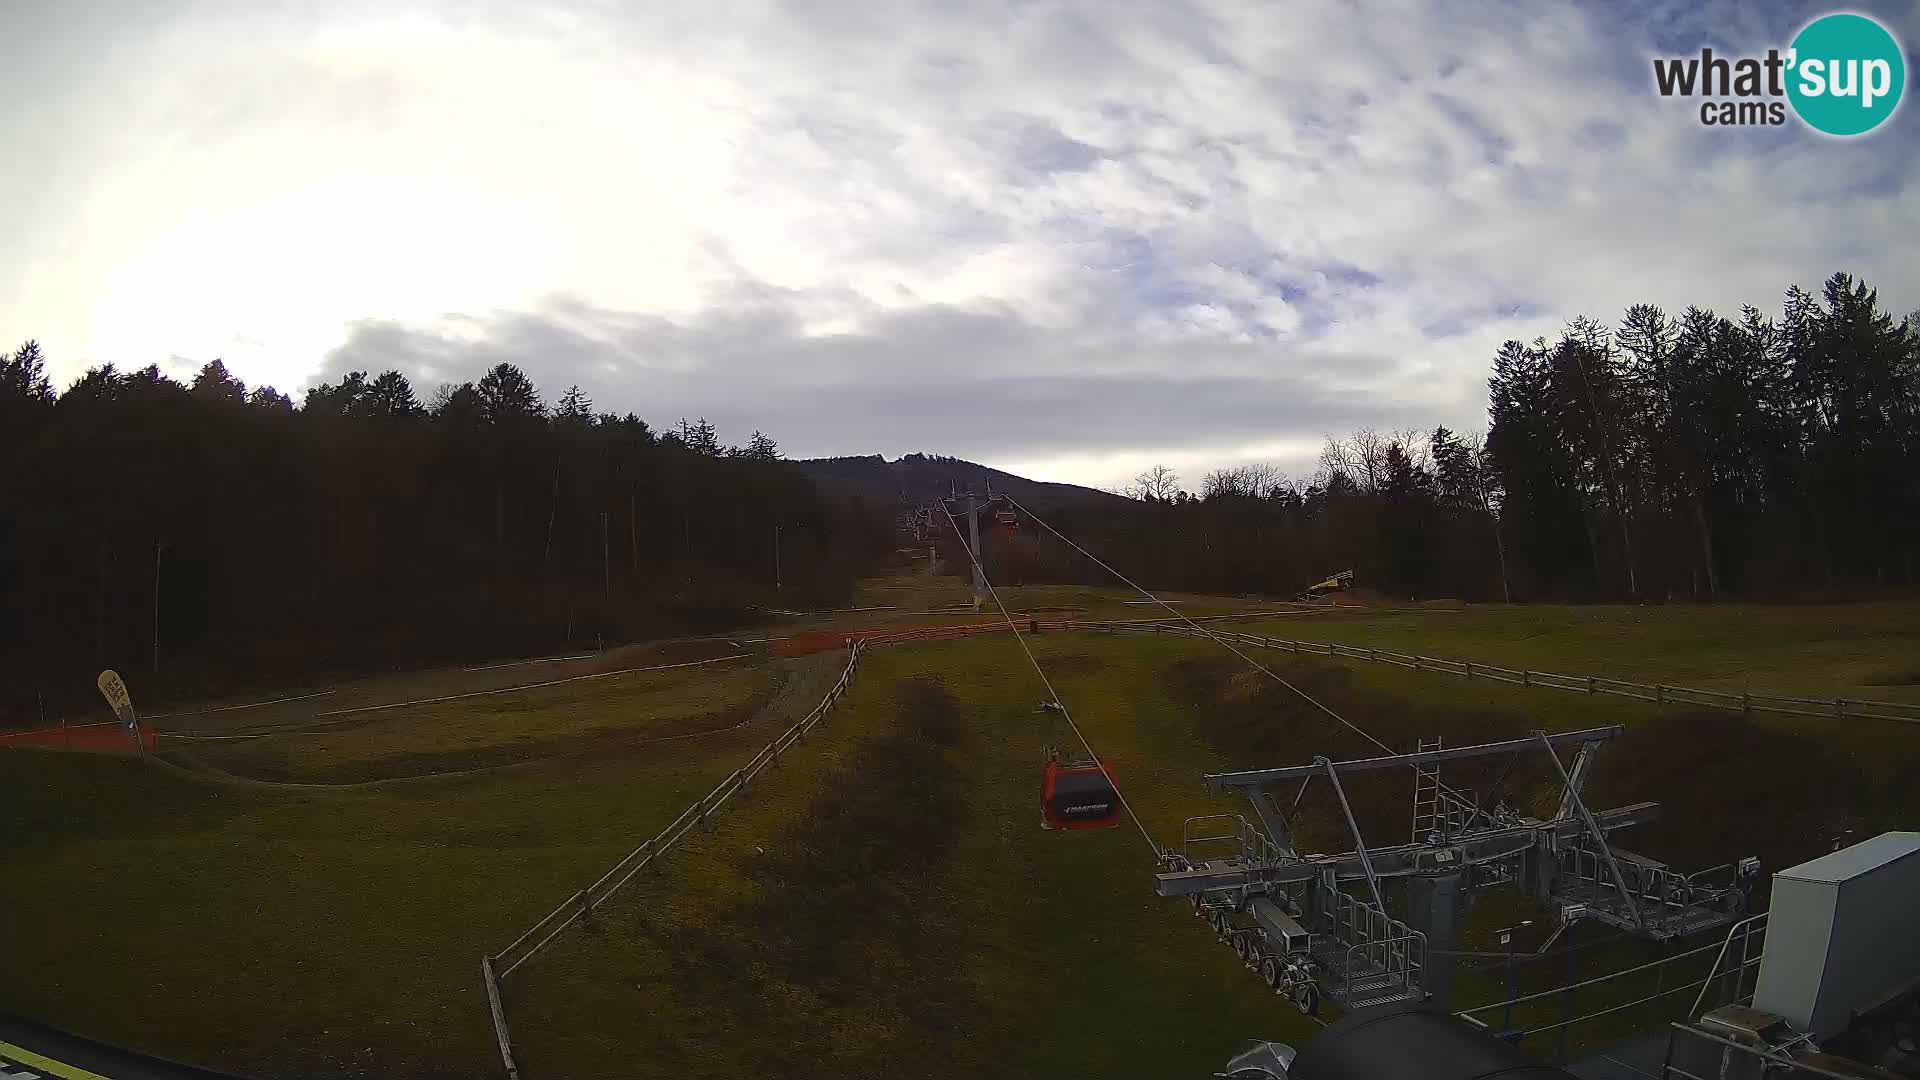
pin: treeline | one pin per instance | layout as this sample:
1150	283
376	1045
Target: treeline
1669	457
255	540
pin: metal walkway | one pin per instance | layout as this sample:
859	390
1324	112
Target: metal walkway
1666	904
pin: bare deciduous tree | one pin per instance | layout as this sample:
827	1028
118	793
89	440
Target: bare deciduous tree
1158	484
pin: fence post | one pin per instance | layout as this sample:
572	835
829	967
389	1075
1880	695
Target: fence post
1660	693
1469	669
1589	684
499	1018
1746	704
1526	677
1839	708
1373	655
586	905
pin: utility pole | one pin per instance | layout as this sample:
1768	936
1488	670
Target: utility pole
158	547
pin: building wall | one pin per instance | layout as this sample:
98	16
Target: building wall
1840	936
1799	929
1875	952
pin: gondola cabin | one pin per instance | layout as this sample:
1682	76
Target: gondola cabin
1078	795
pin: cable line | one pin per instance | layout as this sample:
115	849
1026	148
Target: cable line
1048	683
1222	642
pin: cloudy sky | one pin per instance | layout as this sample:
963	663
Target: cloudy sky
1069	239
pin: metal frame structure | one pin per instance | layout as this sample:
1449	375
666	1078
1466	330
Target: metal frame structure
1359	953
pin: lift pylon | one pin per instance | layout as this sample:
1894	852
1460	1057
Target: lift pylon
1358	952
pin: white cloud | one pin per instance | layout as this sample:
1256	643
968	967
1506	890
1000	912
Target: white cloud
1243	225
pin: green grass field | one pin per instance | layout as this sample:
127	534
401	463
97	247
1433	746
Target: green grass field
1071	966
609	714
313	931
886	898
1856	650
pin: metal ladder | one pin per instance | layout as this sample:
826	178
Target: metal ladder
1426	794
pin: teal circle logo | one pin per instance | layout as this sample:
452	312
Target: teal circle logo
1845	74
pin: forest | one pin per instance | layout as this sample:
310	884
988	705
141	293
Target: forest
205	537
1668	458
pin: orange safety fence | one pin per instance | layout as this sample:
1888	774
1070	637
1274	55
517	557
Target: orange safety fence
107	735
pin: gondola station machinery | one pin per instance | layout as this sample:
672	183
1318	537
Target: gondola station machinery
1837	998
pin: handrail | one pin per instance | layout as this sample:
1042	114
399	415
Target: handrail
1588	982
1394	962
1722	955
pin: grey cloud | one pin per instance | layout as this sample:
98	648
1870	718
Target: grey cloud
976	383
1369	192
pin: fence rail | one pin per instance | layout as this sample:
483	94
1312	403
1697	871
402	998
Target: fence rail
1837	708
497	966
1730	978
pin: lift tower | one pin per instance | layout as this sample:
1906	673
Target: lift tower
972	504
1328	917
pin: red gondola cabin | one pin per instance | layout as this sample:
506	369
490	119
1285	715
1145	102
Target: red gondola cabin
1078	795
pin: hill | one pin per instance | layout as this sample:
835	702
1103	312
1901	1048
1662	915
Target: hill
916	479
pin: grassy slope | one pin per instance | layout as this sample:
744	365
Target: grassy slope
1080	969
502	728
266	710
311	932
294	911
1796	651
1816	651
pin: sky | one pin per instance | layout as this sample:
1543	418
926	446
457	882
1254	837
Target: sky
1067	239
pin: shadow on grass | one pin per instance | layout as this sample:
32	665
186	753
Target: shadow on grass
845	961
1728	787
1895	676
1255	723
